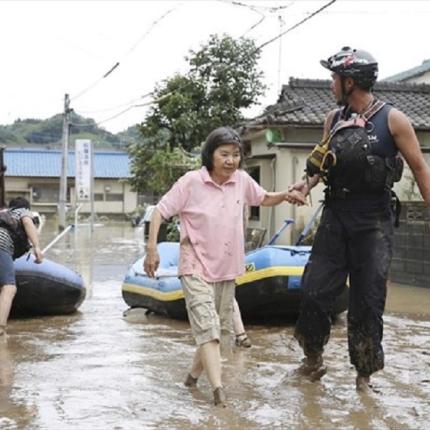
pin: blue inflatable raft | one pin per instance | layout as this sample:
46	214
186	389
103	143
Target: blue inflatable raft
270	288
47	288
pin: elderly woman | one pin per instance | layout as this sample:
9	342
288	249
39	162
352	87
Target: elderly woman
210	204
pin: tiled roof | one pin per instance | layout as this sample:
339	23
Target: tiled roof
411	73
47	163
305	102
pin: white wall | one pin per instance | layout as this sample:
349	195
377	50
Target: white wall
128	203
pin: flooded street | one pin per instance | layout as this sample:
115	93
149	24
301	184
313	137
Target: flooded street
99	370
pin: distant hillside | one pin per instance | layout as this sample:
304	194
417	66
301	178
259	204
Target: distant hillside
32	132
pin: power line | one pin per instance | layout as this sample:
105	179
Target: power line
255	7
257	49
117	64
150	28
135	106
130	102
262	18
281	26
296	25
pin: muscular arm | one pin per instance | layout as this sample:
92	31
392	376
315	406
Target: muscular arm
152	259
33	237
407	142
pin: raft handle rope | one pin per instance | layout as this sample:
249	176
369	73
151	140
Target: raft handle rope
309	225
275	237
57	238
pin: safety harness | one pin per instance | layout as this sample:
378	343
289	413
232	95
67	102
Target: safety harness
345	158
346	162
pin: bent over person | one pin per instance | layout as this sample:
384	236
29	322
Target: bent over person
17	229
210	204
359	162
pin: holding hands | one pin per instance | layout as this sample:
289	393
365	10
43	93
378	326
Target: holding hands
295	197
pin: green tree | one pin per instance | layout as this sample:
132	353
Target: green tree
222	79
162	166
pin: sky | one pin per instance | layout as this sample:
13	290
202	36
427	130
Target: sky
50	48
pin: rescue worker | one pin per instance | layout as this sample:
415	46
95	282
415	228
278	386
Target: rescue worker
17	229
355	235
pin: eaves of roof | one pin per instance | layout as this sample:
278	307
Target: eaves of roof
47	163
305	102
411	73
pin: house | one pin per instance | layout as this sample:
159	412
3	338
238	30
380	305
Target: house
416	75
35	174
278	142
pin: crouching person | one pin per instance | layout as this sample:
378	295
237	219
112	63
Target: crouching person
17	231
210	204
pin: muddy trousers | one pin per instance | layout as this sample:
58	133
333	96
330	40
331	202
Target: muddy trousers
357	245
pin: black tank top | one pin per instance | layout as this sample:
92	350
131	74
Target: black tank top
380	137
383	144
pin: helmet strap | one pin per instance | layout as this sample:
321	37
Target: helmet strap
345	94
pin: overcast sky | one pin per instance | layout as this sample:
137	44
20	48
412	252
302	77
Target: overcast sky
50	48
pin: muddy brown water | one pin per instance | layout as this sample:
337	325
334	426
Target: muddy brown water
97	369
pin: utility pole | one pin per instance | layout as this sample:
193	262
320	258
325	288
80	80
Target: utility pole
280	77
64	163
2	186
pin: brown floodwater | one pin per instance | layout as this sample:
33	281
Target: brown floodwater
97	369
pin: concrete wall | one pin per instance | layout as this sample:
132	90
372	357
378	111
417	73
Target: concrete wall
283	164
411	259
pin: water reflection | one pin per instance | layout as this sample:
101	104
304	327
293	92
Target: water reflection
6	376
99	370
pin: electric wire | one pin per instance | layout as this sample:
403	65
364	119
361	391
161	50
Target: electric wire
117	64
150	29
268	8
130	102
124	111
281	26
253	9
135	106
260	47
296	25
262	18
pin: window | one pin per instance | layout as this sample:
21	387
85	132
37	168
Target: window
254	211
98	197
114	197
46	193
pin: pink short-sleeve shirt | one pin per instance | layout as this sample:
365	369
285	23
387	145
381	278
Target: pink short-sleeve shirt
211	217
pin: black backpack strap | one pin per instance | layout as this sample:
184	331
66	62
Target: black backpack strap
337	115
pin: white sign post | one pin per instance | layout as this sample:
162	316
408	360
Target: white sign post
84	178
